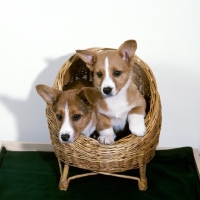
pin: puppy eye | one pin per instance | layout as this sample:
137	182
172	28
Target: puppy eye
99	74
76	117
59	117
117	73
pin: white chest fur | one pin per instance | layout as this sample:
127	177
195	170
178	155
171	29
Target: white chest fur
118	108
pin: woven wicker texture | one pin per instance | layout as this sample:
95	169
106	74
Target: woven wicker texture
127	153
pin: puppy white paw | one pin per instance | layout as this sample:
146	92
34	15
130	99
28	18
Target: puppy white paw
106	139
137	125
107	136
138	130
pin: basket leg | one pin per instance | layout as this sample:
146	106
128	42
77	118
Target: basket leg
64	182
142	183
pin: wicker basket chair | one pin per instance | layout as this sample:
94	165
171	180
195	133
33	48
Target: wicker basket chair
129	152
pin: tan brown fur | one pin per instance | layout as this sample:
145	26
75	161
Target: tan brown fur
103	122
134	96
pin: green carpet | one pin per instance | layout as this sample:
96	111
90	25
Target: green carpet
35	175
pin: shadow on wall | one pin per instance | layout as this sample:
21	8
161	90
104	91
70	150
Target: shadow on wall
30	114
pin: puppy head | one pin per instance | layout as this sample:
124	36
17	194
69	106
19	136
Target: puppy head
112	68
72	109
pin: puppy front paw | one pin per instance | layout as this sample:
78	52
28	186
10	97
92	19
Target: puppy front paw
106	139
137	125
138	130
106	136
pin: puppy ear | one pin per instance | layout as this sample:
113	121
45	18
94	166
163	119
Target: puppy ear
49	94
127	50
90	95
88	56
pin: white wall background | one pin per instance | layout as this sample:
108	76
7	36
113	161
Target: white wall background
38	36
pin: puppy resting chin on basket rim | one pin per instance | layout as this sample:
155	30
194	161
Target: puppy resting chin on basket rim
73	109
122	102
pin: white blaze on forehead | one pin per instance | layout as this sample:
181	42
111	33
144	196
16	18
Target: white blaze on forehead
106	63
66	127
107	82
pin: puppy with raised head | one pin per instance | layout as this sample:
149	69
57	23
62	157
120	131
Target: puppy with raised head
73	109
122	102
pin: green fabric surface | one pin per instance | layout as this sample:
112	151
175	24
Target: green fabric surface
35	175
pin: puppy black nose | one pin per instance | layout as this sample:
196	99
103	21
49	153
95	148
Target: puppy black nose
65	137
107	90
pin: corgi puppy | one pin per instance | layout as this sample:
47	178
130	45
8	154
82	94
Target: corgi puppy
122	102
74	113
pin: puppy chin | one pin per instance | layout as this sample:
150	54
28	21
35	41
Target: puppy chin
105	96
65	142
